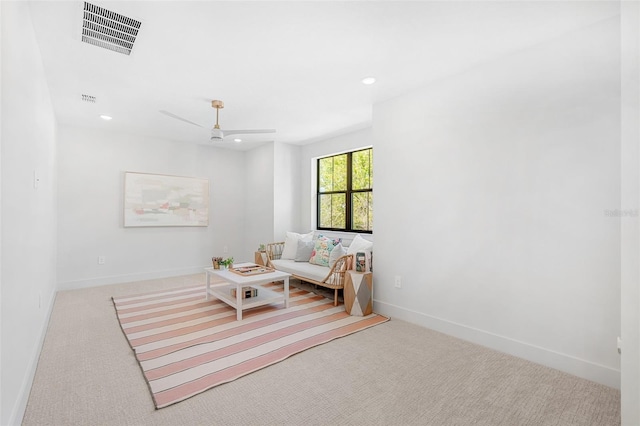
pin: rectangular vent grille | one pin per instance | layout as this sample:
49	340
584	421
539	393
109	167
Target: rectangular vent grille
109	30
89	98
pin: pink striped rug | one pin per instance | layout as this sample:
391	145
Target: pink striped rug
186	345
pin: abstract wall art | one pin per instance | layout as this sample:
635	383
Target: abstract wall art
164	200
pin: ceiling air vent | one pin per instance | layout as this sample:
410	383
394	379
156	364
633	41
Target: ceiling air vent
89	98
107	29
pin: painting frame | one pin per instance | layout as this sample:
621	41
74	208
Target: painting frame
160	200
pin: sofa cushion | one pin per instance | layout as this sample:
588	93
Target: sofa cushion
337	252
291	244
305	248
302	269
322	250
360	244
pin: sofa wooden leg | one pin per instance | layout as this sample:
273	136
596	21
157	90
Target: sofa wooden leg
335	297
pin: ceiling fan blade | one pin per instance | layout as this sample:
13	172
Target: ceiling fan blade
247	132
169	114
260	142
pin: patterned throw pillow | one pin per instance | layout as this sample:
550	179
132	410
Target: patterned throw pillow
322	250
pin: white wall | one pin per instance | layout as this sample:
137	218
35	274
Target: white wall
491	192
286	184
91	181
259	201
272	209
630	155
308	156
2	34
28	214
273	182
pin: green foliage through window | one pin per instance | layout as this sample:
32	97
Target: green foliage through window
345	191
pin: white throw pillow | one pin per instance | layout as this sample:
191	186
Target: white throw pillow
337	252
359	244
291	244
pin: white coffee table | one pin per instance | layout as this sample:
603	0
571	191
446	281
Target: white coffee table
264	297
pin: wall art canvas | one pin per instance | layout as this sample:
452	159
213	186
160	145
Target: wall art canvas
163	200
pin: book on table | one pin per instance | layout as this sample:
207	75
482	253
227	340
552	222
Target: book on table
247	292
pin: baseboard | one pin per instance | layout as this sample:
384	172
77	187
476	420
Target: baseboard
17	413
117	279
563	362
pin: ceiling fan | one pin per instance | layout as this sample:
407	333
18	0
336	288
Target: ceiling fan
217	134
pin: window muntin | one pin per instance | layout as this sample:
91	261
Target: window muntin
345	192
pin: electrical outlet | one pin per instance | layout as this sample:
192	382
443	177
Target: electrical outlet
398	282
101	260
619	345
225	249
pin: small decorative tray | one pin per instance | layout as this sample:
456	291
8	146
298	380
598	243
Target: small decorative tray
251	270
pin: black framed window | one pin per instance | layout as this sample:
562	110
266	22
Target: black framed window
345	192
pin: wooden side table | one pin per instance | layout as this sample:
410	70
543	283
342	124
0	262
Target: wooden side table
260	258
358	293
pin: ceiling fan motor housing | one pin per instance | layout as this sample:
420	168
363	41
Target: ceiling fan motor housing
216	135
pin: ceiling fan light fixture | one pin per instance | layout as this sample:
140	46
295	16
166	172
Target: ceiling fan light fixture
216	134
368	80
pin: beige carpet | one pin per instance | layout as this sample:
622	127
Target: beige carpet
392	374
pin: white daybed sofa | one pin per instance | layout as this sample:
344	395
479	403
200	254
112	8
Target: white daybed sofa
331	276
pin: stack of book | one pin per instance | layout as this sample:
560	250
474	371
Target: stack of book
247	292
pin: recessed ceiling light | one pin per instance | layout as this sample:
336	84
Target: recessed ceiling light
237	140
368	80
106	117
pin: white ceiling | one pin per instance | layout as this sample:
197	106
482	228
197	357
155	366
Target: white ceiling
292	66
